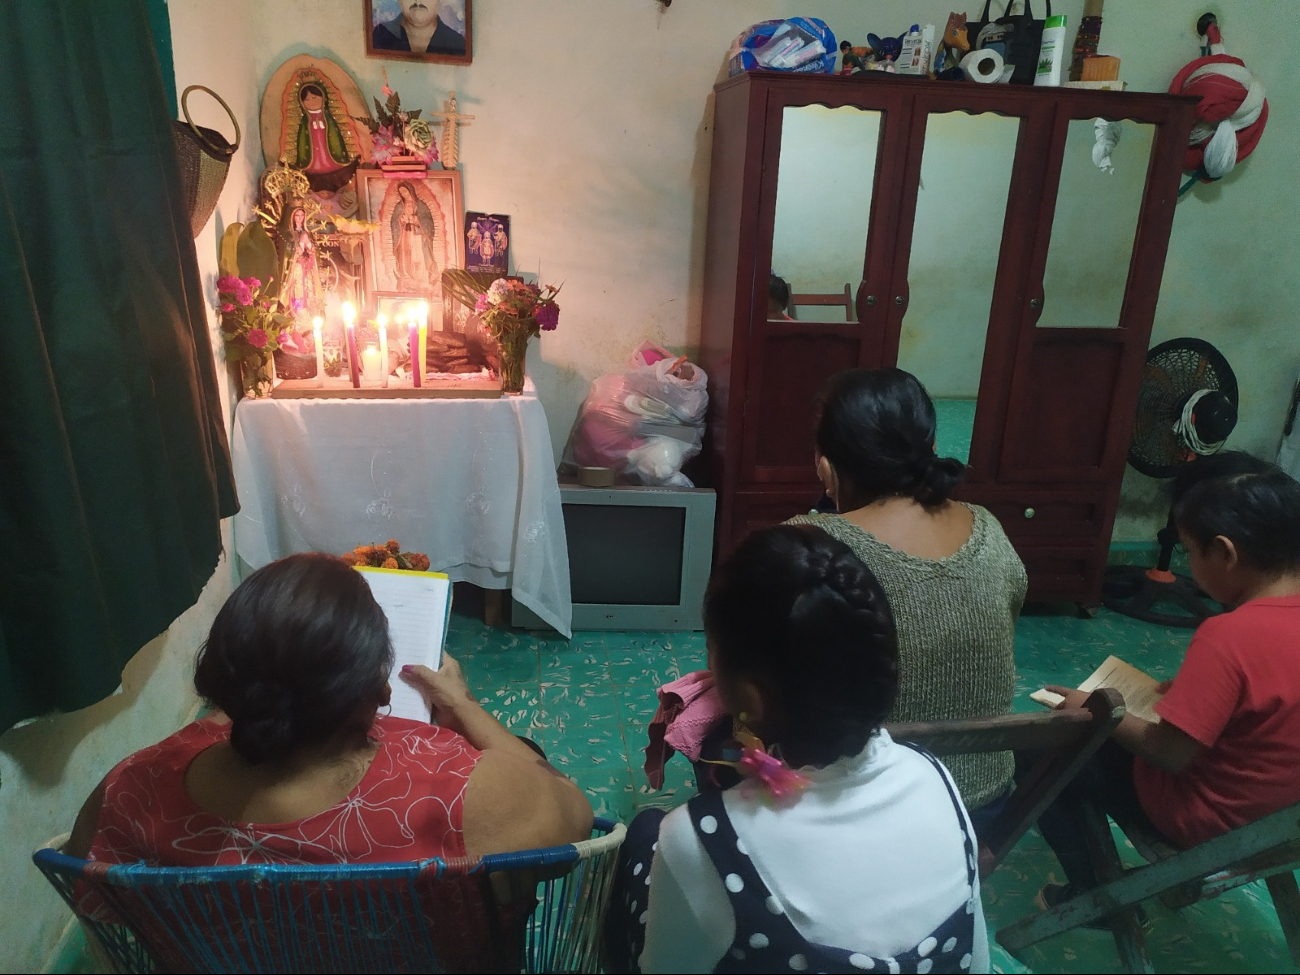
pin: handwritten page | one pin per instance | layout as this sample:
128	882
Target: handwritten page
1139	689
417	605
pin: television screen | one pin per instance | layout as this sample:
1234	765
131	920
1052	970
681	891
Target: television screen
622	555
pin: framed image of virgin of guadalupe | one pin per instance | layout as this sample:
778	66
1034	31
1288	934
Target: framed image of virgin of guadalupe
419	233
436	31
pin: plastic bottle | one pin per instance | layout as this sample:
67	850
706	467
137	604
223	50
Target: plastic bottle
1051	56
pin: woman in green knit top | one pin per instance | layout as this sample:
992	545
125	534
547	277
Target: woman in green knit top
953	580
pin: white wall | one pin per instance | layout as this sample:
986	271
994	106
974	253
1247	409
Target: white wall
593	133
49	766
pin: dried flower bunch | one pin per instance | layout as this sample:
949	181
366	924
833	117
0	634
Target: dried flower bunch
397	132
387	556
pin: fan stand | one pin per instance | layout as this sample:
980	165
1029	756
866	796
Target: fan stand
1136	592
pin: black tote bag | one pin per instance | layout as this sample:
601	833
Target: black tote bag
1017	37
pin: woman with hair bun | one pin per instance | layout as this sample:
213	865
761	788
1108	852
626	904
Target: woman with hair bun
299	766
840	850
953	580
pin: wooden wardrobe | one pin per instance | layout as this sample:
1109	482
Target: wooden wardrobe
1052	351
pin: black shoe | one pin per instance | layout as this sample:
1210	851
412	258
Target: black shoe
1054	895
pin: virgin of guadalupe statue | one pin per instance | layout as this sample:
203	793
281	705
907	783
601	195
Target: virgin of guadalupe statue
413	229
300	291
320	149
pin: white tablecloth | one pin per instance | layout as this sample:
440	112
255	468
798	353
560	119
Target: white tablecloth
470	482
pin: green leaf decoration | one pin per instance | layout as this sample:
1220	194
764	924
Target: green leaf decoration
258	258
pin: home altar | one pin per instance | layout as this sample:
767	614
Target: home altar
469	481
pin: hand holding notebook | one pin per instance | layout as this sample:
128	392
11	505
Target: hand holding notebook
417	605
1141	691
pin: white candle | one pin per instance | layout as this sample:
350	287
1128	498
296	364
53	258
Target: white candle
370	363
317	324
382	324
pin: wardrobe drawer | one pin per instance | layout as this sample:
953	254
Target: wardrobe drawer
1030	517
1064	573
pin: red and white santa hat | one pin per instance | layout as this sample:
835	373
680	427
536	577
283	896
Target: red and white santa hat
1232	112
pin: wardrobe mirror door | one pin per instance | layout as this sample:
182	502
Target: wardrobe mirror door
961	204
1092	242
823	206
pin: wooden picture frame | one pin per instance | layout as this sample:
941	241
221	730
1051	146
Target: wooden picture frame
390	26
390	305
420	232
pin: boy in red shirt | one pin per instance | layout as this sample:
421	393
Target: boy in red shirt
1226	747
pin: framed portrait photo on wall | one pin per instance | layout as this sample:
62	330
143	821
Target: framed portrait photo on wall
437	31
419	233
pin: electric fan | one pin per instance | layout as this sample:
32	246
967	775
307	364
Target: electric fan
1187	406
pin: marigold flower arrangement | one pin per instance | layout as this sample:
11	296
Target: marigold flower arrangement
512	311
252	326
387	556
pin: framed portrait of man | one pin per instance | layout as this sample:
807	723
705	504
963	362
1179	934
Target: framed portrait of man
437	31
419	234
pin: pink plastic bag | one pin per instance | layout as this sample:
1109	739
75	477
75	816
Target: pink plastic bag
645	421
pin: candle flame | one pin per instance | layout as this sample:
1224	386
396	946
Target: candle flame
349	313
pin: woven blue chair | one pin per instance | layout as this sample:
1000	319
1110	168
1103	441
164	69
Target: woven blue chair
532	911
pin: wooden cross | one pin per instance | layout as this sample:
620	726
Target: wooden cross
449	150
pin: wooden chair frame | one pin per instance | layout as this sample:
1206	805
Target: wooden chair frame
1063	739
1268	849
844	298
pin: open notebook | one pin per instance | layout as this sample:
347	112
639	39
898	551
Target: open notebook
1141	691
417	605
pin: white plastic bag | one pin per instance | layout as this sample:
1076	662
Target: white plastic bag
645	422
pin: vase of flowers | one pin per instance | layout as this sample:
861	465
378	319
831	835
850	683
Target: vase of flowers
251	325
402	140
512	312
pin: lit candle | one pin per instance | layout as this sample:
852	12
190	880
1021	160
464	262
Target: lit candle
316	326
382	324
424	334
370	363
354	363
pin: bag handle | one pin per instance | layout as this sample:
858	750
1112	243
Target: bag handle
198	132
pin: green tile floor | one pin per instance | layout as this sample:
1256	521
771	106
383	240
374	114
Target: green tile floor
588	701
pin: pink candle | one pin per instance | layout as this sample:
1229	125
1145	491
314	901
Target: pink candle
354	363
417	367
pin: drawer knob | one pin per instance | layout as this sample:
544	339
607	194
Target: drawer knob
1035	302
1029	512
871	301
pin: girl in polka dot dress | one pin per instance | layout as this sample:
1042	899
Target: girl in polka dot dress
841	851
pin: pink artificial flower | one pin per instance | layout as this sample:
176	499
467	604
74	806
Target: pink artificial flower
253	283
256	337
227	306
482	305
227	283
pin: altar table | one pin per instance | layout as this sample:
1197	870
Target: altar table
469	482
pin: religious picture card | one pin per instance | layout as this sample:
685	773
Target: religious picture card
435	31
487	242
419	233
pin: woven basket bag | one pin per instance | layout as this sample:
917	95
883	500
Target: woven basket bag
204	159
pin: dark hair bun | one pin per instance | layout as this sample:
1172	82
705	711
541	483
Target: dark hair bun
877	428
940	477
294	655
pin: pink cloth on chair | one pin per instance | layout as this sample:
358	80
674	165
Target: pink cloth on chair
688	708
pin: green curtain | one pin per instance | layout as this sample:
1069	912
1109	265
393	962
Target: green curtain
114	466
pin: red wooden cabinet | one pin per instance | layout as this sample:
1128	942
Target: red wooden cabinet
1058	381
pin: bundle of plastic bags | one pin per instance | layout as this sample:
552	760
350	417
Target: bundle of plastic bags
794	44
644	422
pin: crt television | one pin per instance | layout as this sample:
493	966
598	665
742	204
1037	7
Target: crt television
639	557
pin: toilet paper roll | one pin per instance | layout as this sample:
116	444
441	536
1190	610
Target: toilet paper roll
983	66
